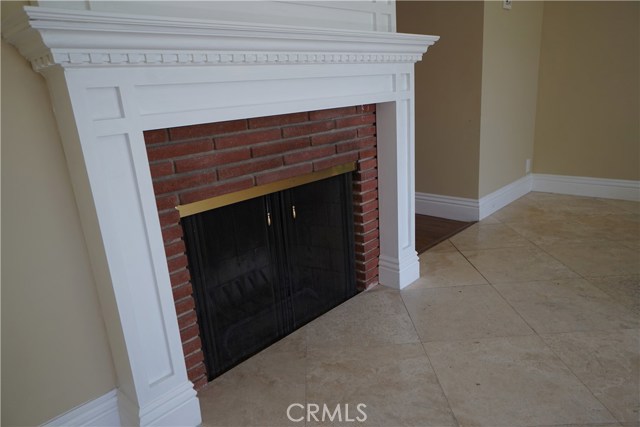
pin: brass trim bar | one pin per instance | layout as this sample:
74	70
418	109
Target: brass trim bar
261	190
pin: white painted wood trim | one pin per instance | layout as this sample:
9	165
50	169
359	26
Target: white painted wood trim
100	412
456	208
500	198
465	209
585	186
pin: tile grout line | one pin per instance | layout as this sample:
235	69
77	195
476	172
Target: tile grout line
424	350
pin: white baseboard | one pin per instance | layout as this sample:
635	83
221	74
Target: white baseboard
457	208
590	187
463	209
100	412
500	198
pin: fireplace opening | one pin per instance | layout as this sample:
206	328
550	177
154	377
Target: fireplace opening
262	268
192	164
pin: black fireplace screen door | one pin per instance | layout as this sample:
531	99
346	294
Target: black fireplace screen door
263	267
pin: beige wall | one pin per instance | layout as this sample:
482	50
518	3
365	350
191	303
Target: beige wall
55	353
587	122
448	87
511	49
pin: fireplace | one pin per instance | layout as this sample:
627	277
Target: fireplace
113	76
192	165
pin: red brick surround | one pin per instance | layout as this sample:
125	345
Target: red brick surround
193	163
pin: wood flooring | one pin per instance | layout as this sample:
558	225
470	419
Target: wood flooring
431	230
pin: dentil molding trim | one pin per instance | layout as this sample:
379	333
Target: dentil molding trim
82	38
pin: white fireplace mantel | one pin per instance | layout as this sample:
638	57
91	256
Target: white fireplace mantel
112	76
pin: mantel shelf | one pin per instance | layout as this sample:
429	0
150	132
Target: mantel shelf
85	38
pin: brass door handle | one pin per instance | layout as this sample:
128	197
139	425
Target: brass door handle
293	211
269	219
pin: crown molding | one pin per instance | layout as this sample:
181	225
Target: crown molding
72	38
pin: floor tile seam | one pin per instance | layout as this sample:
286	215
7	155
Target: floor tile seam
558	260
500	295
613	417
435	373
605	296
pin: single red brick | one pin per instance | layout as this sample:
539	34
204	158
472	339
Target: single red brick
340	159
310	154
212	159
194	359
216	190
367	108
363	175
307	129
333	137
279	147
363	208
367	142
207	129
367	154
283	119
246	138
368	164
372	235
371	282
185	305
364	238
196	371
346	146
192	345
172	233
155	136
180	277
181	182
182	291
161	169
364	186
171	151
177	263
365	197
364	218
283	173
367	131
189	332
187	319
368	246
169	218
166	202
332	113
246	168
355	121
367	227
366	256
369	265
174	248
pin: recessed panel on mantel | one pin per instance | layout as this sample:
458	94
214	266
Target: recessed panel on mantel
202	96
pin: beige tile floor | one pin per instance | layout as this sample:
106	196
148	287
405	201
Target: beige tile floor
529	318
